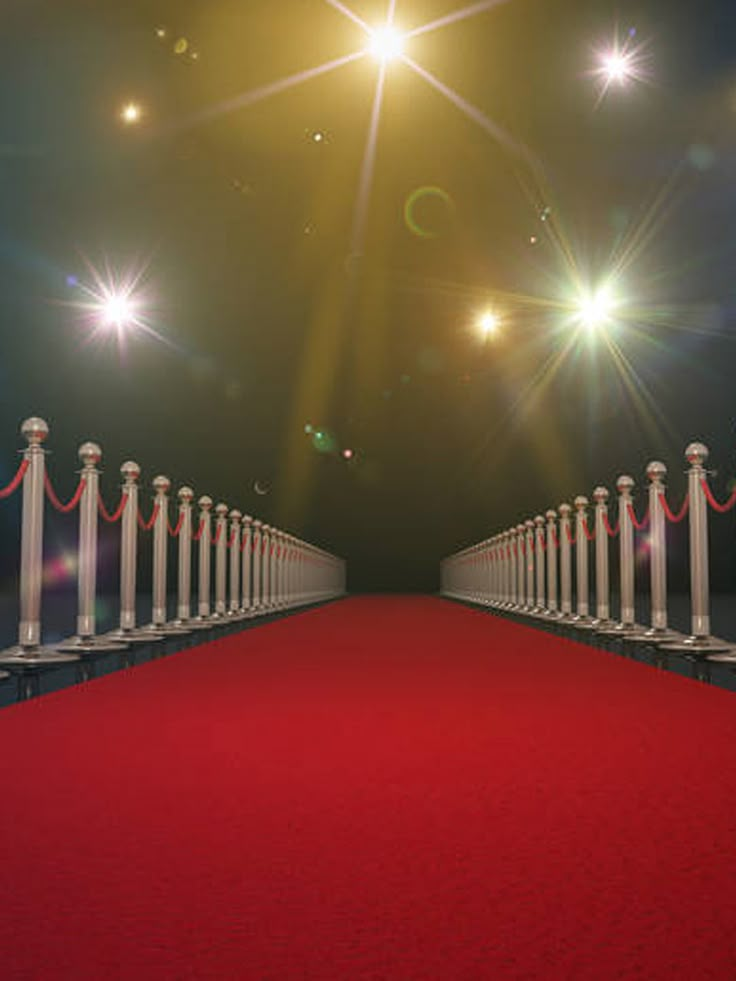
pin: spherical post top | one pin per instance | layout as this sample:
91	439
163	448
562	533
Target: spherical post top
221	510
90	454
550	515
696	454
581	502
564	510
257	523
624	484
520	529
235	515
185	495
539	521
529	524
600	495
656	471
35	430
130	471
161	484
205	502
247	519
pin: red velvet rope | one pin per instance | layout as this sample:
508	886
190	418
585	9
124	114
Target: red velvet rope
16	481
245	542
674	518
590	535
570	538
607	525
147	525
51	494
218	533
174	532
639	525
720	508
200	530
233	536
117	514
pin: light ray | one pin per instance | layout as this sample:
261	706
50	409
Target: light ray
496	131
391	12
273	88
347	12
367	168
456	15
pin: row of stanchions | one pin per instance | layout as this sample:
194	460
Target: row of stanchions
258	569
528	569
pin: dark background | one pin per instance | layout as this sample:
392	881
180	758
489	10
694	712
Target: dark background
270	323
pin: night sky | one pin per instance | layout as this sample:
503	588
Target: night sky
274	307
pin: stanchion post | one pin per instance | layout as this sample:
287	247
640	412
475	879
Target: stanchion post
539	560
551	517
245	584
520	568
565	562
257	583
205	558
529	562
235	532
221	512
184	601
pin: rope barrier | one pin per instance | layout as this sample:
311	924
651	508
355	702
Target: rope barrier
118	513
590	535
202	523
612	532
670	515
147	525
75	499
16	481
720	508
244	543
174	532
218	535
639	525
232	538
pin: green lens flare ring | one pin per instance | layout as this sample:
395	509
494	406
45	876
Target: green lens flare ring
424	192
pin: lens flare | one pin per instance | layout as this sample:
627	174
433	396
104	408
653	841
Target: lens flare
386	43
595	309
131	113
488	324
619	65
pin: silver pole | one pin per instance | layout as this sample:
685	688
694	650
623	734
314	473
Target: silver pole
247	561
581	560
184	607
602	583
221	511
529	542
90	454
235	517
656	472
266	540
565	562
697	454
161	487
551	562
539	556
129	546
205	559
257	594
520	568
35	431
624	485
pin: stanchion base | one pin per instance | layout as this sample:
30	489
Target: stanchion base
727	658
136	636
621	630
89	645
168	629
698	647
197	624
4	675
38	657
654	637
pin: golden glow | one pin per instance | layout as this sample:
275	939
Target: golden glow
386	43
488	324
131	113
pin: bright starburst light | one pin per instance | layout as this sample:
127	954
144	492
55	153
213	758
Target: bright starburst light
619	65
595	308
131	113
386	43
488	324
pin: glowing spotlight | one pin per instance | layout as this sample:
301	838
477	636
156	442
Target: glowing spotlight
488	324
386	43
131	113
347	454
616	67
619	65
117	310
594	311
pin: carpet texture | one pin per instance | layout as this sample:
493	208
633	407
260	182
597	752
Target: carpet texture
383	788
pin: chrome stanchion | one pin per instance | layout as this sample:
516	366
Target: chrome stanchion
582	619
203	619
246	606
159	624
29	652
257	583
627	623
234	543
565	563
128	631
529	564
552	610
700	643
221	511
86	641
520	569
541	609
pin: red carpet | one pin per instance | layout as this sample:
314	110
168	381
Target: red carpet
384	788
